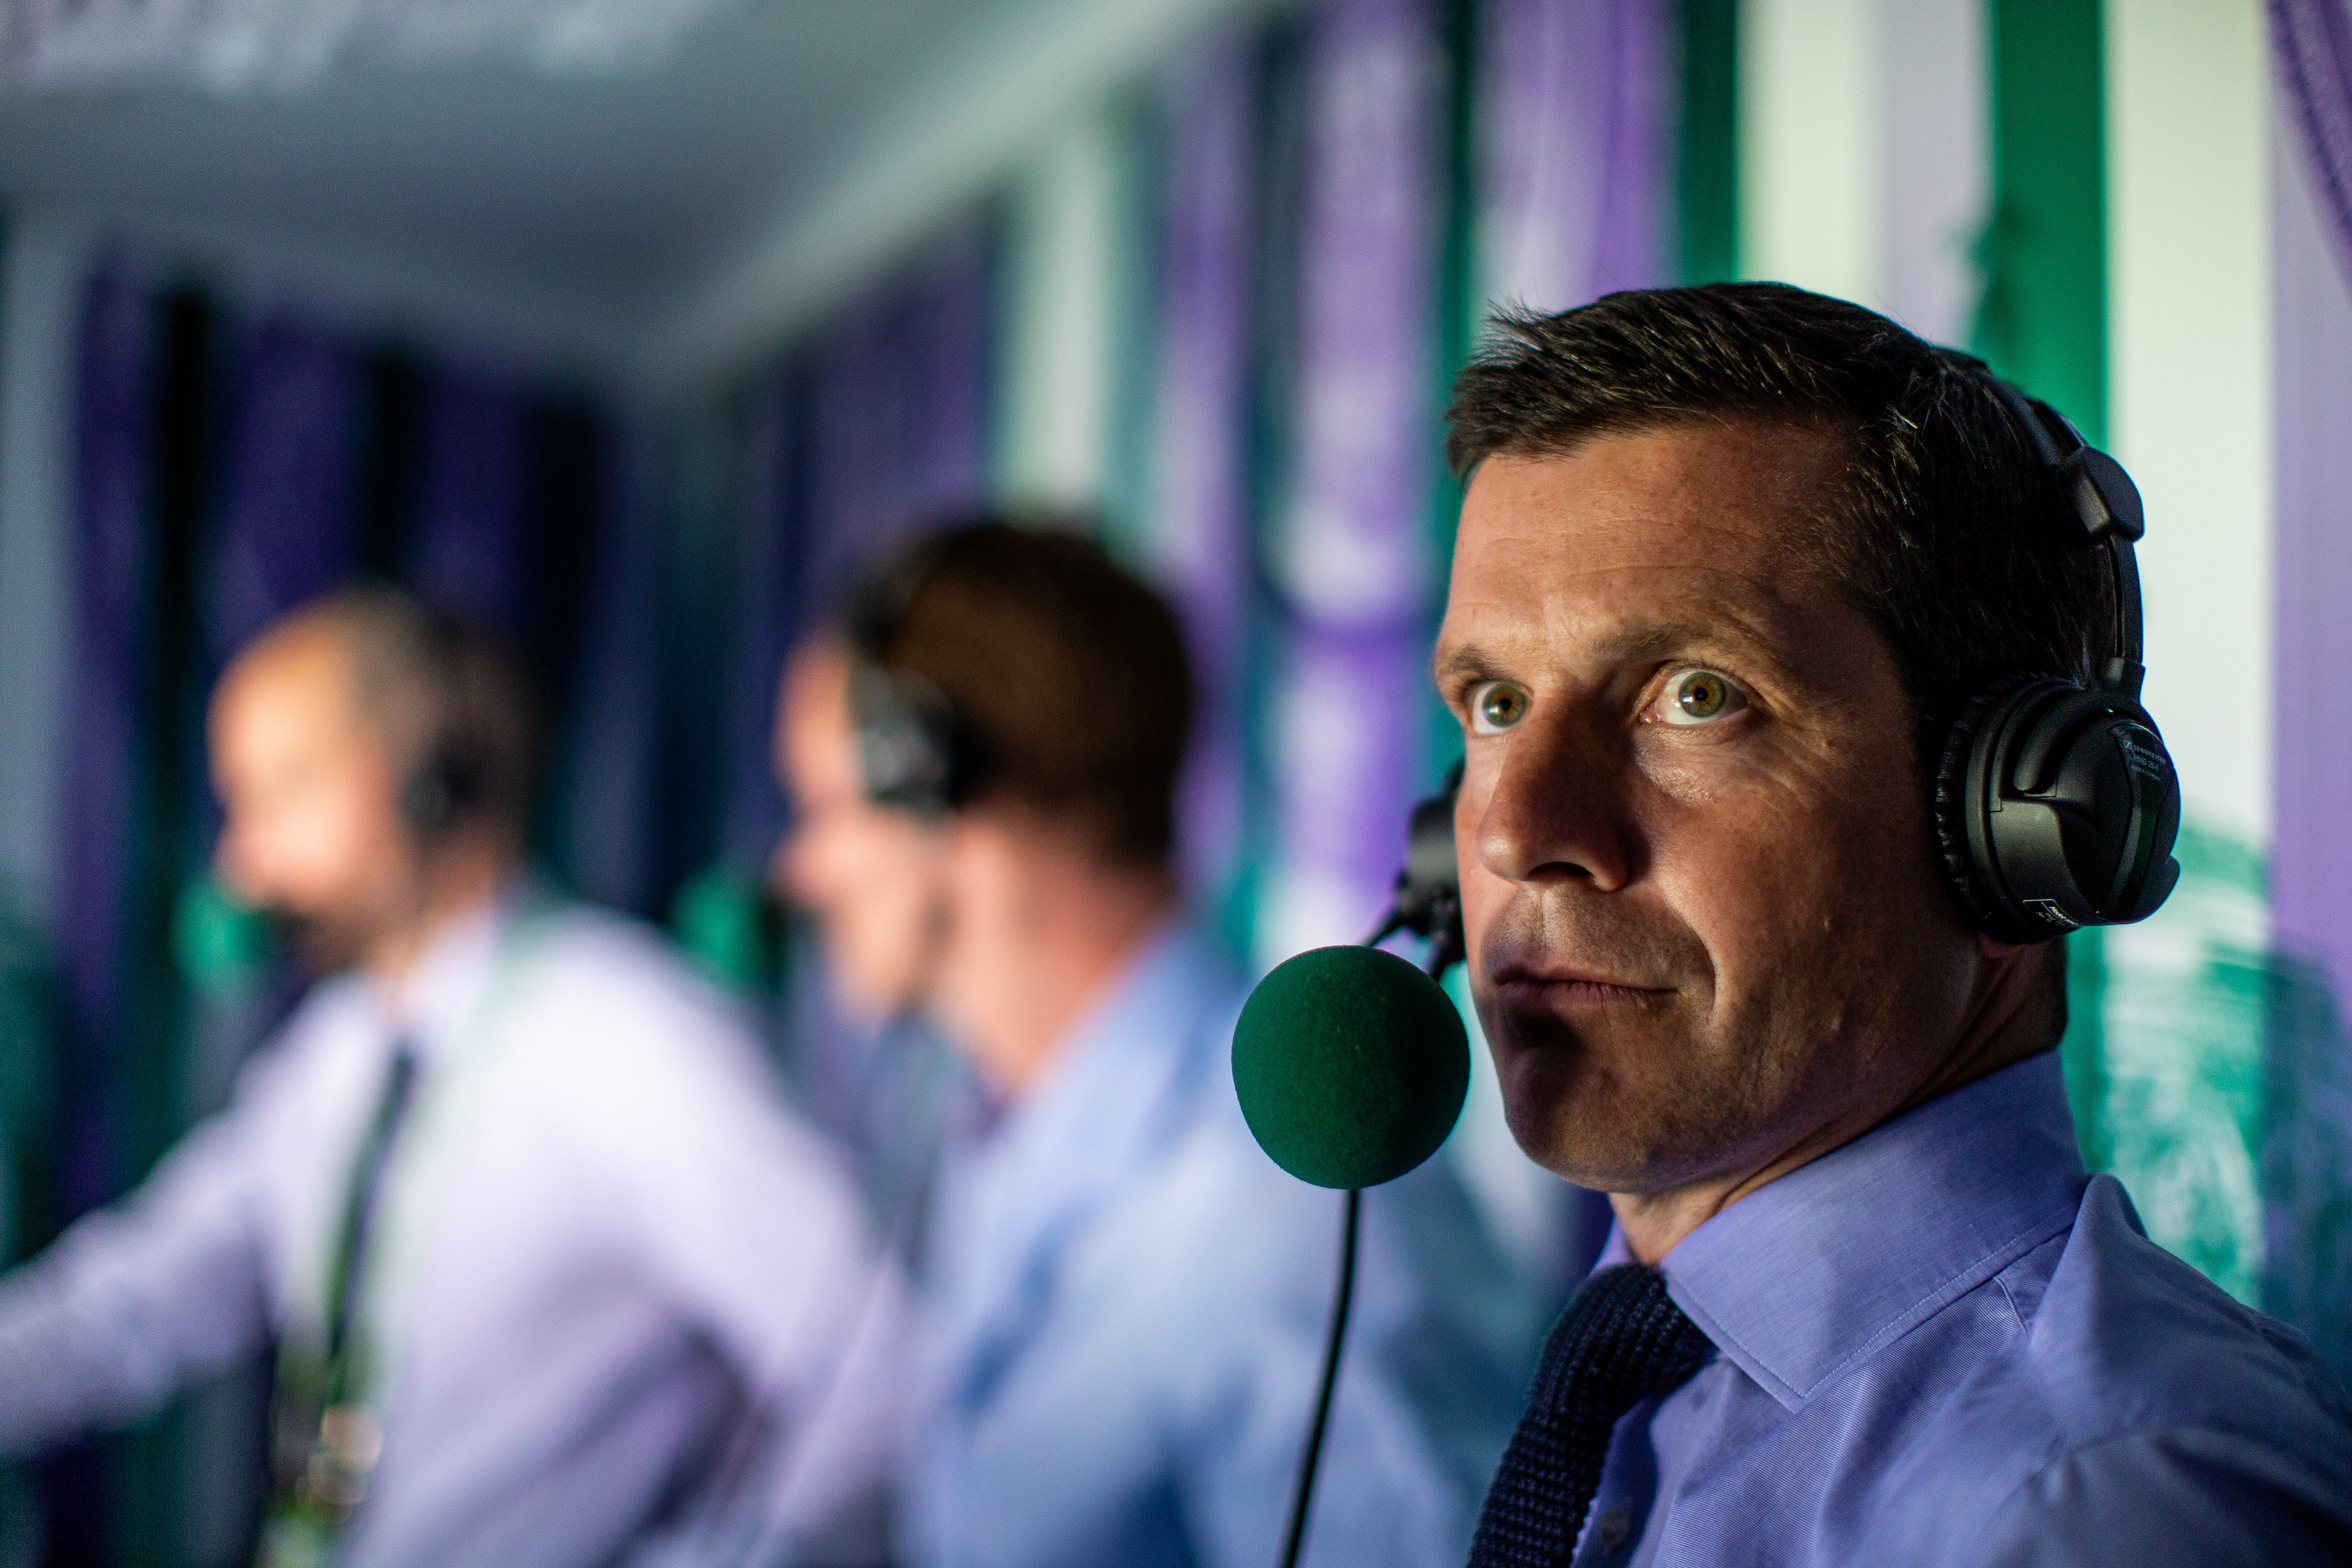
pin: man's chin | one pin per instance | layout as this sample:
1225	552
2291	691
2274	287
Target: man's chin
319	944
1581	1121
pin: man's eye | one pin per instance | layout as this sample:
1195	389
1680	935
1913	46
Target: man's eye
1698	696
1496	706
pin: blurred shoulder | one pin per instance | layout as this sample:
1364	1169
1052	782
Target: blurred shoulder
611	1001
618	975
1229	1231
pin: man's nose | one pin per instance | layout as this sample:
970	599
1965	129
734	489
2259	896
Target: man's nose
1555	810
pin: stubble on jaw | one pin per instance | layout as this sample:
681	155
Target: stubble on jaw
1701	1082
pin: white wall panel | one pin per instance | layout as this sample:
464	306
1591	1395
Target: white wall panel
1811	146
1060	318
2189	382
1938	166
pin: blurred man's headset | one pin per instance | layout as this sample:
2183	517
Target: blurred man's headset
447	783
2056	806
917	751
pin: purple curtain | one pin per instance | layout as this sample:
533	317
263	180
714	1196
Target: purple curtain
298	402
2312	43
1352	553
1575	140
771	612
469	553
114	500
514	503
1199	537
897	415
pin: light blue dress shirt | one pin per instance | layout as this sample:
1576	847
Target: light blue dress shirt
1129	1302
1945	1343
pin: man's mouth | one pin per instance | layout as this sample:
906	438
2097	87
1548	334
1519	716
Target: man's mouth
1551	989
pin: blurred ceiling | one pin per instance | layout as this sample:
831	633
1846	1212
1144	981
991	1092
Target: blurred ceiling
647	191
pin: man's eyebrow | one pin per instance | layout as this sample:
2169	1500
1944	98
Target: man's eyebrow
1468	659
1649	640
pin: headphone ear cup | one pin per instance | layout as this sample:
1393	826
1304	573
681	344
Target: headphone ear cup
910	753
435	797
1988	708
2056	807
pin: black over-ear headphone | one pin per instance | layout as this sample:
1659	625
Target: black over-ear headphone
2056	803
445	783
917	753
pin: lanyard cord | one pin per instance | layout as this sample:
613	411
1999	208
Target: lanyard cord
344	1283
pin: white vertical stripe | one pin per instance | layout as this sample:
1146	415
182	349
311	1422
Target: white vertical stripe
1938	166
1810	144
1059	325
2189	378
44	264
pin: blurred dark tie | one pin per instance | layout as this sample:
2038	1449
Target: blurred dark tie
1621	1340
351	1250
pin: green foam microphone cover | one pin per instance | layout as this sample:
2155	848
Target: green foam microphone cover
1351	1066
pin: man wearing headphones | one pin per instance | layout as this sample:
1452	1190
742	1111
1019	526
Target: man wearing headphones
1798	669
554	1278
1127	1300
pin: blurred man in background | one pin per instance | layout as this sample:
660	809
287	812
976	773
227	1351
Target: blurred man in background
555	1280
1127	1300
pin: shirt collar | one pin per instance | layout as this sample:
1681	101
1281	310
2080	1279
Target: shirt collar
1819	1270
430	1004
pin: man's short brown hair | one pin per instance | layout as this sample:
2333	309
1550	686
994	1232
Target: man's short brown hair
1068	671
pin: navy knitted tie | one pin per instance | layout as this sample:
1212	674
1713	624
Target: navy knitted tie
1620	1342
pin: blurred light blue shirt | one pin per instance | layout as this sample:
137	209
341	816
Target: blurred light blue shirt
1945	1343
1129	1308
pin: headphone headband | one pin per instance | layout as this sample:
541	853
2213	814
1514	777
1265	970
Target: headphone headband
2103	498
